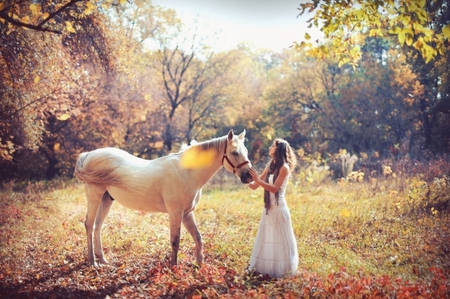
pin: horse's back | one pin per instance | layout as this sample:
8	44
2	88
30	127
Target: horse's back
107	166
116	167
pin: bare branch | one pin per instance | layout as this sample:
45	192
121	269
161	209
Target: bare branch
32	102
4	15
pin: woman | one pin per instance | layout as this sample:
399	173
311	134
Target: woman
275	248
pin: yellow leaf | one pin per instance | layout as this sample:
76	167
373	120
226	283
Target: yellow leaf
307	36
343	61
418	44
405	19
195	157
63	117
35	9
417	28
37	79
345	213
409	40
25	19
446	31
356	50
395	30
56	146
89	8
122	2
69	27
401	38
342	151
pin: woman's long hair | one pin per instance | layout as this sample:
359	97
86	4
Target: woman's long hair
283	154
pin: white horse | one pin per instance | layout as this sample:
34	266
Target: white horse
159	185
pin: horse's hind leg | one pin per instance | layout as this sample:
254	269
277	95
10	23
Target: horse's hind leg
191	227
102	212
94	198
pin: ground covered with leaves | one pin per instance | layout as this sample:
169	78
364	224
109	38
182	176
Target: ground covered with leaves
378	239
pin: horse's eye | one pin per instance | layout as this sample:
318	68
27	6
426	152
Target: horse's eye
235	153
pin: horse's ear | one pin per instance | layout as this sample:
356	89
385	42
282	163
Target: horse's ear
242	135
230	135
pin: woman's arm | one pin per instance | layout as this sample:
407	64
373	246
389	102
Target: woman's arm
272	188
254	185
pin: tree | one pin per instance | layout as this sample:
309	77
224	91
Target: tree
416	23
36	85
51	16
423	26
44	50
320	106
191	77
292	99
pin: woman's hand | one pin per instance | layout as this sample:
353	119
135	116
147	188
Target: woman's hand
254	174
255	184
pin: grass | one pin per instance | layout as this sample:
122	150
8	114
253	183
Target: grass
348	233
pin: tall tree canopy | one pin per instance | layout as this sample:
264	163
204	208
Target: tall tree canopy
421	24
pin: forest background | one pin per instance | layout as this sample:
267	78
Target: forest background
80	75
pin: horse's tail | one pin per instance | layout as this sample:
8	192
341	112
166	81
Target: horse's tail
95	169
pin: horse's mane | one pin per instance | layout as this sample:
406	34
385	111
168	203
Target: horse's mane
215	144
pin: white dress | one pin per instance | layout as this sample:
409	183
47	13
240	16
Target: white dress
275	247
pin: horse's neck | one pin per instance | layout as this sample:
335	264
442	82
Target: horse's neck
205	174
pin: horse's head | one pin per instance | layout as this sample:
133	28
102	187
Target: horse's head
235	157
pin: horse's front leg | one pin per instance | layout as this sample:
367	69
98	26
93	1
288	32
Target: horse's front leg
191	227
175	229
102	212
94	197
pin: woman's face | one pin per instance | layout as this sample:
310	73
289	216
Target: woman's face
272	149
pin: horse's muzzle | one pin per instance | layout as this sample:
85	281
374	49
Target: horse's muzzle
246	178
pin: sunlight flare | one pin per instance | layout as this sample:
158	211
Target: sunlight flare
194	158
